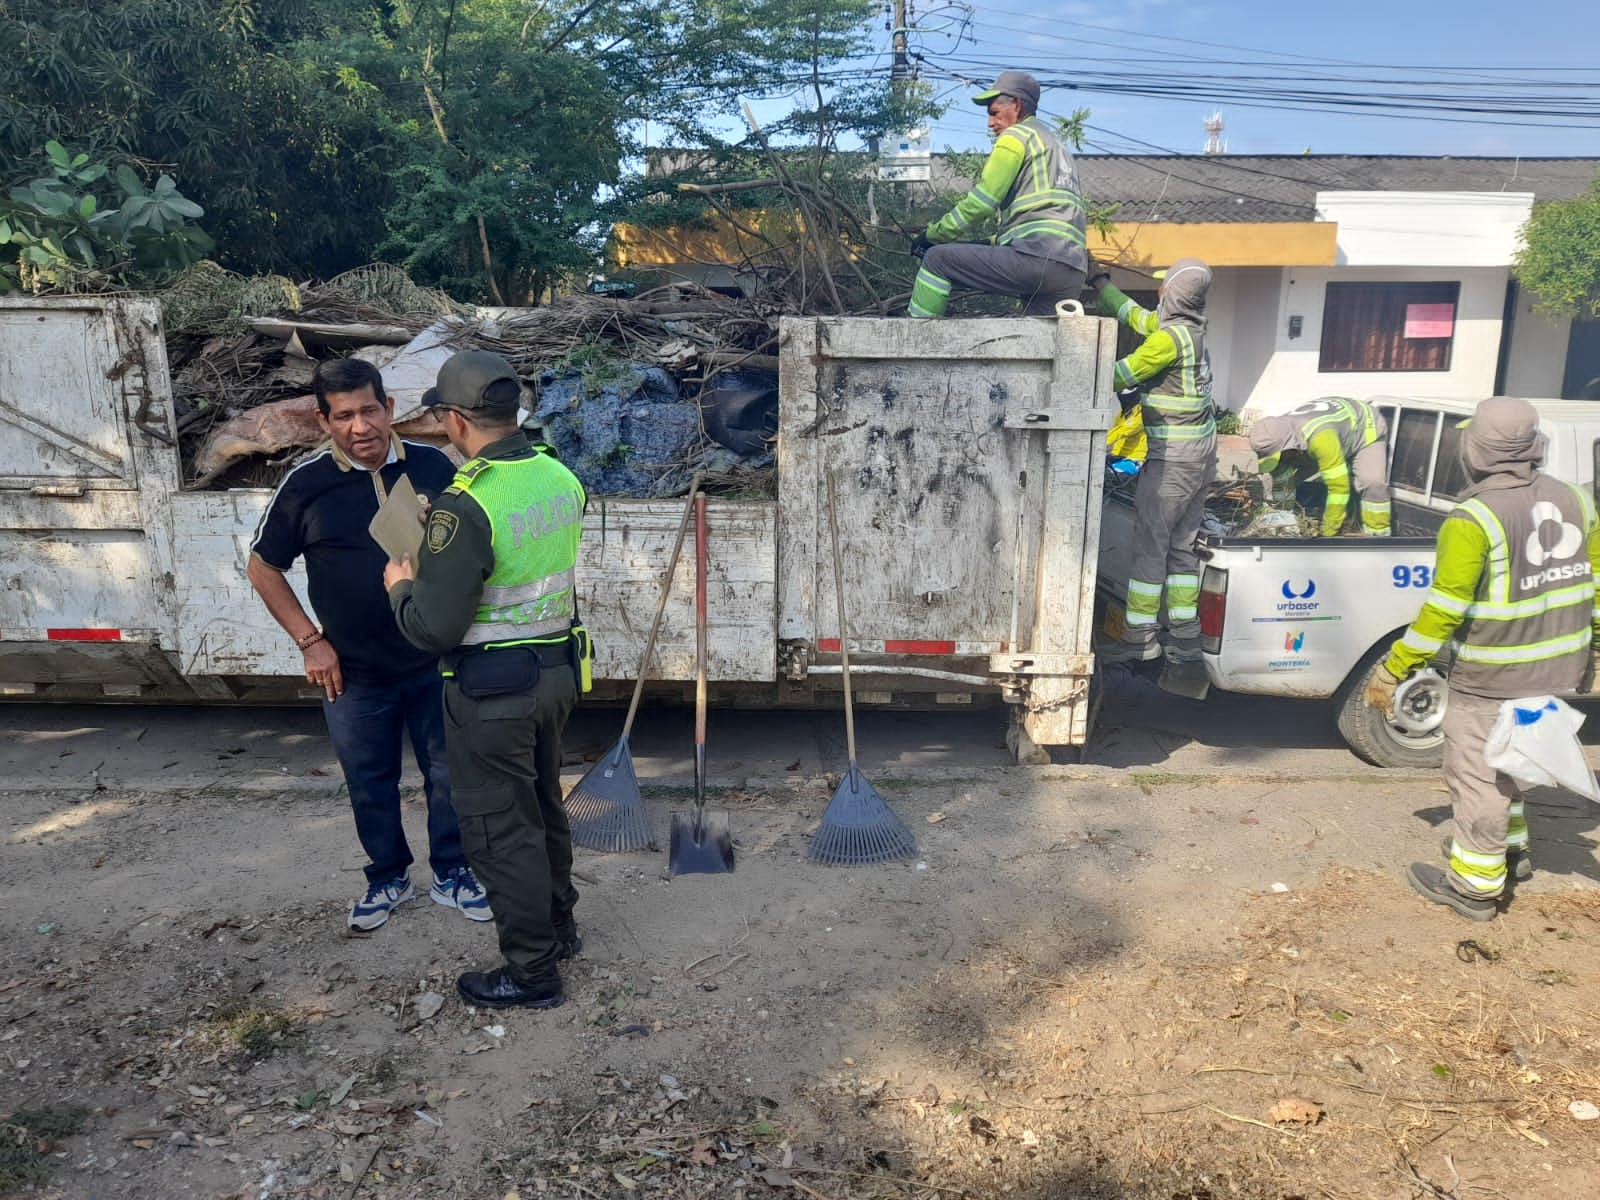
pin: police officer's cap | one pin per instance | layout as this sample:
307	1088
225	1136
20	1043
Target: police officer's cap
475	379
1011	83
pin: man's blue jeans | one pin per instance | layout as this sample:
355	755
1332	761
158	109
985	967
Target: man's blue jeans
368	725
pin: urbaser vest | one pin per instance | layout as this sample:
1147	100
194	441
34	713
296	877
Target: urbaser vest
1177	403
1043	212
1528	631
1355	422
535	511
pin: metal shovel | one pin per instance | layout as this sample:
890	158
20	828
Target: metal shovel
701	842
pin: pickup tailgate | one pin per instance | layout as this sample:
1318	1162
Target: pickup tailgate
1301	613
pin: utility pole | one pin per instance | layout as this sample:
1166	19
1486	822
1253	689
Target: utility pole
900	70
903	156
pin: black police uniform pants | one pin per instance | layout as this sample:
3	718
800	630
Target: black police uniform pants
505	784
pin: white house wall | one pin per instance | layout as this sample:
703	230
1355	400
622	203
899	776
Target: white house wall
1292	377
1243	315
1426	229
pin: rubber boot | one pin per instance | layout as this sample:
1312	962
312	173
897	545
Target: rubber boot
1183	671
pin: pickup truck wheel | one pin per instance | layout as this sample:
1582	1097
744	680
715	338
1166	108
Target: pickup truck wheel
1371	734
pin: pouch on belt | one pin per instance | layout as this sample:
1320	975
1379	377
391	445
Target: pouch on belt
484	673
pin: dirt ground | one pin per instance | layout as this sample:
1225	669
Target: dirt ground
1089	983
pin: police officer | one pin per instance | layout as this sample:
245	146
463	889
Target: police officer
1338	436
1173	375
1513	587
1029	186
493	592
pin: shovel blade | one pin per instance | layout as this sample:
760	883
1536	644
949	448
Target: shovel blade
700	846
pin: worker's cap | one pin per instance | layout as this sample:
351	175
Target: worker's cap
1011	83
472	380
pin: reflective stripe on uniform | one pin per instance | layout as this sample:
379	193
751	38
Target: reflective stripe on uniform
1517	827
929	294
1426	645
523	593
1483	873
1144	602
1527	652
482	633
1183	597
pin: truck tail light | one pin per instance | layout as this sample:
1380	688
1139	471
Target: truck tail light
1213	608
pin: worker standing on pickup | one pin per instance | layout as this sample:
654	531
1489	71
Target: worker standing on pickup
378	690
1173	375
1330	437
1514	589
1029	186
494	592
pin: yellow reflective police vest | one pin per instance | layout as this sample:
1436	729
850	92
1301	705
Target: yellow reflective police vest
535	511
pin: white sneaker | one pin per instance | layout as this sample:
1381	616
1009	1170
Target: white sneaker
372	910
460	889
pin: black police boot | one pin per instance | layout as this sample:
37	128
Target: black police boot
500	989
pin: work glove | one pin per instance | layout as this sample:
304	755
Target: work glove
921	244
1098	277
1379	693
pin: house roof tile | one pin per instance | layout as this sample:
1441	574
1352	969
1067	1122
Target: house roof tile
1282	187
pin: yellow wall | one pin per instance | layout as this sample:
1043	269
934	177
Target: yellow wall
1246	244
1131	243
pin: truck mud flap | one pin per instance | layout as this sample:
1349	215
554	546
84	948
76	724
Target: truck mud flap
1187	679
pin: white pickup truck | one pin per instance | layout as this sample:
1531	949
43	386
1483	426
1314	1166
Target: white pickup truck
1307	617
967	456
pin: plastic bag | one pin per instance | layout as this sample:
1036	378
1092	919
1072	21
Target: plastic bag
1535	741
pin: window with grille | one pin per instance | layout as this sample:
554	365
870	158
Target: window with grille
1388	326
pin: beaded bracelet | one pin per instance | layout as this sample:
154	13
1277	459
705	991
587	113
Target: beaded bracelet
309	640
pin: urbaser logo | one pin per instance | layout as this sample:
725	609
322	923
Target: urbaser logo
1568	541
1296	599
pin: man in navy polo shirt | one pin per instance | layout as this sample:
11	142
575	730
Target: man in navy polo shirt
377	687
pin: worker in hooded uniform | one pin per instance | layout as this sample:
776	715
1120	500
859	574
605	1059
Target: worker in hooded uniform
1029	188
1173	374
1332	438
1514	591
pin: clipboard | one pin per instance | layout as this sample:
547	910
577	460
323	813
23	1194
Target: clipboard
397	527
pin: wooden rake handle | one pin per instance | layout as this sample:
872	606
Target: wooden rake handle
661	602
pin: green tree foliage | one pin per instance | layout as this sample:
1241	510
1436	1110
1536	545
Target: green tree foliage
1559	260
83	225
484	143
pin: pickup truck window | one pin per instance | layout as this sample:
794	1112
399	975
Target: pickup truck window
1415	438
1449	476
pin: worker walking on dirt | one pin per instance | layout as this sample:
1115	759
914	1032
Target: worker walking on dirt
1029	186
494	591
1329	438
378	689
1173	375
1514	590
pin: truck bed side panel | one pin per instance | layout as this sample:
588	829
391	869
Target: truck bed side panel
1302	612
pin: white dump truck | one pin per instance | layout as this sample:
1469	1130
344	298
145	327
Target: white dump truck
967	456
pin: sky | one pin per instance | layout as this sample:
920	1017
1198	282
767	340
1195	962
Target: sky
1536	51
